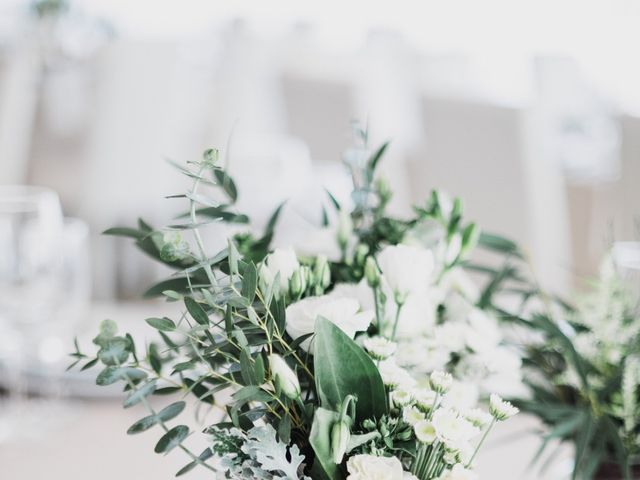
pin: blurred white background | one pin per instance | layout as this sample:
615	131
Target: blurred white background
530	111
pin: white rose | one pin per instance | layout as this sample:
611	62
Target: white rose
283	262
406	269
343	312
370	467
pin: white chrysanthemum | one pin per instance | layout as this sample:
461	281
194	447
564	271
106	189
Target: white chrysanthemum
395	376
420	355
401	398
451	428
425	399
343	312
425	432
370	467
440	381
501	409
478	417
412	415
379	348
281	262
406	269
458	472
461	395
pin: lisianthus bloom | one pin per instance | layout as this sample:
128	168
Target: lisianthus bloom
282	262
406	269
343	312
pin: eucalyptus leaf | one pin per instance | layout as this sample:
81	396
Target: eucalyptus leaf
172	439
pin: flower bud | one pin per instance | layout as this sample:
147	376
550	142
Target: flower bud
298	282
210	156
470	238
369	424
440	381
384	190
265	278
345	229
283	377
340	436
361	254
322	272
379	348
371	272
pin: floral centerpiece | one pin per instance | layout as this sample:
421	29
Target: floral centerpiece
326	366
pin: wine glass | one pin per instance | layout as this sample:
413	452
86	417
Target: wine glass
31	260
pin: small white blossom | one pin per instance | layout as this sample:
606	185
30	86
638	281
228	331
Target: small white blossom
425	432
452	429
401	398
425	399
440	381
477	417
412	415
501	409
379	348
394	376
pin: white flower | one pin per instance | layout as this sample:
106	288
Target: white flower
425	432
283	376
483	333
453	249
458	472
379	348
461	395
401	398
417	315
394	376
358	291
451	335
343	312
501	409
419	355
411	415
479	418
451	428
370	467
282	262
440	381
406	269
409	476
425	399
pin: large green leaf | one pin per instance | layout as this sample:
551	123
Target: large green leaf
324	467
343	368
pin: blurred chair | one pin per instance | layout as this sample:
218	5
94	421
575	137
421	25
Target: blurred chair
19	81
485	153
629	201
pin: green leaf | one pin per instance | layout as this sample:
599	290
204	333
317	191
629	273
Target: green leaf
111	375
180	284
251	393
249	282
246	368
114	351
126	232
171	411
163	324
320	439
143	424
172	439
499	244
196	311
227	184
375	158
142	392
205	455
333	350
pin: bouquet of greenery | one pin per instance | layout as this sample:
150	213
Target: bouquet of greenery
302	351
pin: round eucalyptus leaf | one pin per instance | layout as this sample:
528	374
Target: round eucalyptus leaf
172	439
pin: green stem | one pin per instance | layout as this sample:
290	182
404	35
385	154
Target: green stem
484	437
395	323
